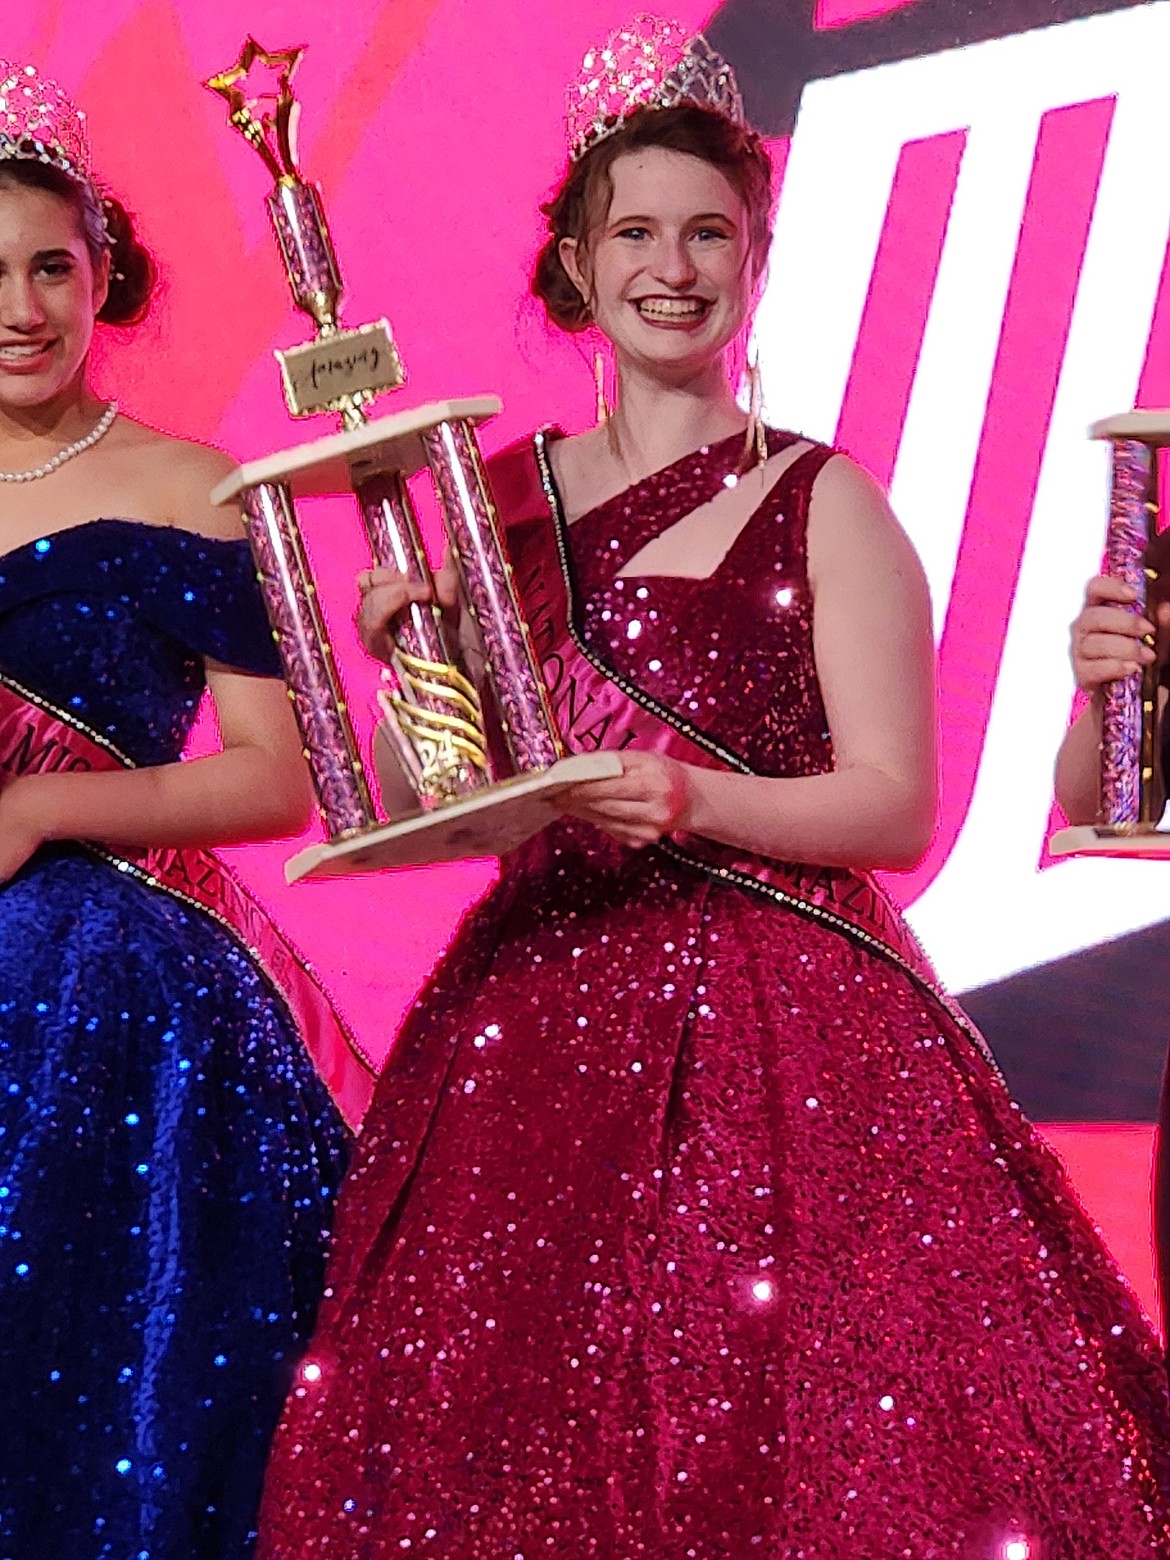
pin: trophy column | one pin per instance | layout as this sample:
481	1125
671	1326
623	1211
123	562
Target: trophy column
307	656
1129	792
470	517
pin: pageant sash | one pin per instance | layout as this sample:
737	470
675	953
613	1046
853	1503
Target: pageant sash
597	707
36	738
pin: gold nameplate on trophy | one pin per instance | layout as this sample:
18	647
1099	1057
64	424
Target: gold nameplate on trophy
347	365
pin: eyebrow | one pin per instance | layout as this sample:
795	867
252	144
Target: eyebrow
702	216
53	254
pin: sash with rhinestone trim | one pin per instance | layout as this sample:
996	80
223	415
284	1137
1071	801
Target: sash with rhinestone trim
36	738
597	707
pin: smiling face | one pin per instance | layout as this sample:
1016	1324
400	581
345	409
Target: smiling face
50	292
667	268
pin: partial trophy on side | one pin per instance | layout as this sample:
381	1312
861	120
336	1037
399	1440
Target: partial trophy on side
1133	792
468	757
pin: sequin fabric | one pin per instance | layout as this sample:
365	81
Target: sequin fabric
721	675
168	1157
686	1228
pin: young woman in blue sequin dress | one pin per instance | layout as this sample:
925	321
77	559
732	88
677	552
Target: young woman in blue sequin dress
168	1154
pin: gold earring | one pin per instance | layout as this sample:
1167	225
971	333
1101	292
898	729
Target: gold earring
603	408
756	440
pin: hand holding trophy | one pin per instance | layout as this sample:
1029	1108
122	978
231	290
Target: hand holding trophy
1132	784
468	799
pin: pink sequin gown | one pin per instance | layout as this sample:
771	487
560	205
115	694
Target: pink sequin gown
687	1227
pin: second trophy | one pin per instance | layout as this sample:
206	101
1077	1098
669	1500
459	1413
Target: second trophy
1132	784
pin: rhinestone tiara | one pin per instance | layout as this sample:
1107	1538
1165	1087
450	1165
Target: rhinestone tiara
649	64
40	123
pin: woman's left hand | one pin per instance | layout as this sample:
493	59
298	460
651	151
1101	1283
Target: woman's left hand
22	831
647	800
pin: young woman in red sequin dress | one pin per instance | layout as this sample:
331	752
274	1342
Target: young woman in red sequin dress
690	1220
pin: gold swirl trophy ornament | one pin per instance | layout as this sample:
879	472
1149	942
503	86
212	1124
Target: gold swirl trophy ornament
445	790
1137	551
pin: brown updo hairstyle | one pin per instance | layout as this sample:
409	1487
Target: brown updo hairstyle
132	269
587	189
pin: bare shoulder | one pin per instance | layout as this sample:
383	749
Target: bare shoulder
181	475
581	466
842	488
578	449
850	521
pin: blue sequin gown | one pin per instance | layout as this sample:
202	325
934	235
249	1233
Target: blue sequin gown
168	1156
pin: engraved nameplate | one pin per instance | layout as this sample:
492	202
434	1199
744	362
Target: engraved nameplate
321	375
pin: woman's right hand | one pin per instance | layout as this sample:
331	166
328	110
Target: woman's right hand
1108	639
384	596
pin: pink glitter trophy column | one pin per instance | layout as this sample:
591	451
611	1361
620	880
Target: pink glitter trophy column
460	801
1132	787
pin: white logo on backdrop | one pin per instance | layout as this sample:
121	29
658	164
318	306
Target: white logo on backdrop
990	912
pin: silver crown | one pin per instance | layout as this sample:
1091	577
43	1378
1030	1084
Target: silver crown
40	123
649	64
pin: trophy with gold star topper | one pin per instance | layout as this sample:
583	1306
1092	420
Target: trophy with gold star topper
466	796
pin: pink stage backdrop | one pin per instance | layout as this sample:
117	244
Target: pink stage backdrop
968	268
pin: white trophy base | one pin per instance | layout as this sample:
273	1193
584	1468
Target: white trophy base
1087	840
328	466
490	824
1151	427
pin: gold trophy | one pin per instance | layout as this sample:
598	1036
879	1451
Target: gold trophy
451	791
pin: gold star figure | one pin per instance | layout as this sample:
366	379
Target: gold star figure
261	79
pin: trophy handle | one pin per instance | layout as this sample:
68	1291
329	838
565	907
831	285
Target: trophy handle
436	717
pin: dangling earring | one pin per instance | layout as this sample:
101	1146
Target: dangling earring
756	439
603	407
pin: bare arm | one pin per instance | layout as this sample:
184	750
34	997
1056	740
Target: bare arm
1078	765
256	788
875	661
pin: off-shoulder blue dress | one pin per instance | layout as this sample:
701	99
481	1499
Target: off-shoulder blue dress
168	1155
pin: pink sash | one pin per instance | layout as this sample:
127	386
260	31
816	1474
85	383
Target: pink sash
596	707
35	738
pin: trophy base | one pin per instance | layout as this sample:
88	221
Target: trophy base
491	823
1107	840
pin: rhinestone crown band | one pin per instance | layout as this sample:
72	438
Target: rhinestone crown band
39	122
649	64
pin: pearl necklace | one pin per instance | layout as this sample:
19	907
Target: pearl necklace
78	447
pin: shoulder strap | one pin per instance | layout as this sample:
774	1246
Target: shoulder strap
762	541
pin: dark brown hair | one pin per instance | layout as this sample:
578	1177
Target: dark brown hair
587	190
132	268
